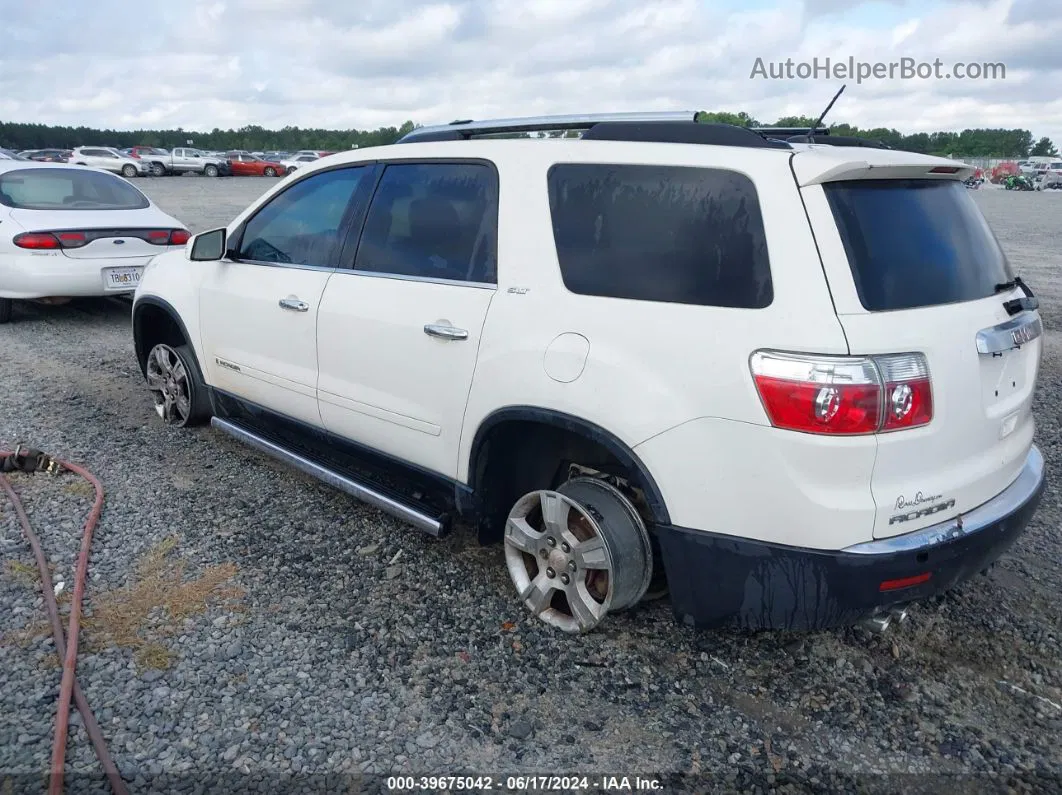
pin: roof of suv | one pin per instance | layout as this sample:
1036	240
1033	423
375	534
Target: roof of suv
813	163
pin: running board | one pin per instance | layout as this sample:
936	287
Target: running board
359	491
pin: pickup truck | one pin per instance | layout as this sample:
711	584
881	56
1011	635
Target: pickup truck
182	160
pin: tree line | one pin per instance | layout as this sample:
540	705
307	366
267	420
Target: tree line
967	143
251	138
1014	143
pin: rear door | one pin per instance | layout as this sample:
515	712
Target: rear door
914	268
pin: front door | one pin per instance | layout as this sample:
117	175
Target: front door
399	333
258	308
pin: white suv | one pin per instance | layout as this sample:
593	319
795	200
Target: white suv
110	160
792	380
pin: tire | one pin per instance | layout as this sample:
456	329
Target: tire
291	169
211	170
129	171
158	170
270	172
578	553
177	388
6	306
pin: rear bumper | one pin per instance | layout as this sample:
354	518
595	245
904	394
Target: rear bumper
719	580
28	277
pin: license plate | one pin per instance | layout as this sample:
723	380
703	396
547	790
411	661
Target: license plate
122	278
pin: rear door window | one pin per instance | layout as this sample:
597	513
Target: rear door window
915	243
660	233
433	221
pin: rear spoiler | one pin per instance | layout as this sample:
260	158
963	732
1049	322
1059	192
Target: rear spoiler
810	168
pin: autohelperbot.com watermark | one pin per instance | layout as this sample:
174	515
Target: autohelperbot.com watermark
852	69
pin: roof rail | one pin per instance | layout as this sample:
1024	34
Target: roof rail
467	128
840	140
789	132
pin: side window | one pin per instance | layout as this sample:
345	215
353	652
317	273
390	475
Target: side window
660	233
433	220
301	224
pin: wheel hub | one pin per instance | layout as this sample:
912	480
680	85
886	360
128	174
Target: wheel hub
557	560
577	553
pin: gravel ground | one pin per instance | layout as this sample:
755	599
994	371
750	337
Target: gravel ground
251	629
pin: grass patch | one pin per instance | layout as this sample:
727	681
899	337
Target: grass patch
23	572
79	488
153	655
155	605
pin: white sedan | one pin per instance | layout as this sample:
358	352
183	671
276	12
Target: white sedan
297	161
68	231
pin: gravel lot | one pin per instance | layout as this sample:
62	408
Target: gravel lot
250	629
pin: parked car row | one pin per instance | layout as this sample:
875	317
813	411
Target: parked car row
140	161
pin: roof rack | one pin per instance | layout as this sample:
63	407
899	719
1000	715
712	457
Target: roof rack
788	132
650	127
467	128
839	140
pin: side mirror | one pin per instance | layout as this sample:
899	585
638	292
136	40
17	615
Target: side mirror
208	246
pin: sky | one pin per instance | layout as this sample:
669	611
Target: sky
340	64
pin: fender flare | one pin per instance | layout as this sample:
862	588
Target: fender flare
569	422
167	307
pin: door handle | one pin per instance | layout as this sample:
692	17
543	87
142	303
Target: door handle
445	332
294	304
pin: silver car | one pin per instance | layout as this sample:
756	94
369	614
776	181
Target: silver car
111	160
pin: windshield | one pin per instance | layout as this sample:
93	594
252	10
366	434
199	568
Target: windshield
68	189
914	243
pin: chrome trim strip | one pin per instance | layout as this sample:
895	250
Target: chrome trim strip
1011	334
400	511
293	265
1008	501
425	279
564	119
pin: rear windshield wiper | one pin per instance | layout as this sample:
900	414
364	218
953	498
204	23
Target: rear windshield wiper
1016	305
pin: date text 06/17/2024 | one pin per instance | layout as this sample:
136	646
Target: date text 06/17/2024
523	783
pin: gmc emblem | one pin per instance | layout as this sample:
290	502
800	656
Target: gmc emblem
922	512
1022	334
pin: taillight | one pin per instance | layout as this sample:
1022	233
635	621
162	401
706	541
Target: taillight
167	237
908	394
71	239
843	395
36	240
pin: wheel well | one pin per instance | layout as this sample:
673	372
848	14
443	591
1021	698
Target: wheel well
153	325
513	456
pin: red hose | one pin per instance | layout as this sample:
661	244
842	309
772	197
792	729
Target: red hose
67	649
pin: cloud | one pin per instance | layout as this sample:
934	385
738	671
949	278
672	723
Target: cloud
316	63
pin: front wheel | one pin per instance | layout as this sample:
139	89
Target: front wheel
6	308
158	170
270	172
129	171
176	387
577	553
211	170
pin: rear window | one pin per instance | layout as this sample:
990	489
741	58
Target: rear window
68	189
660	233
916	243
